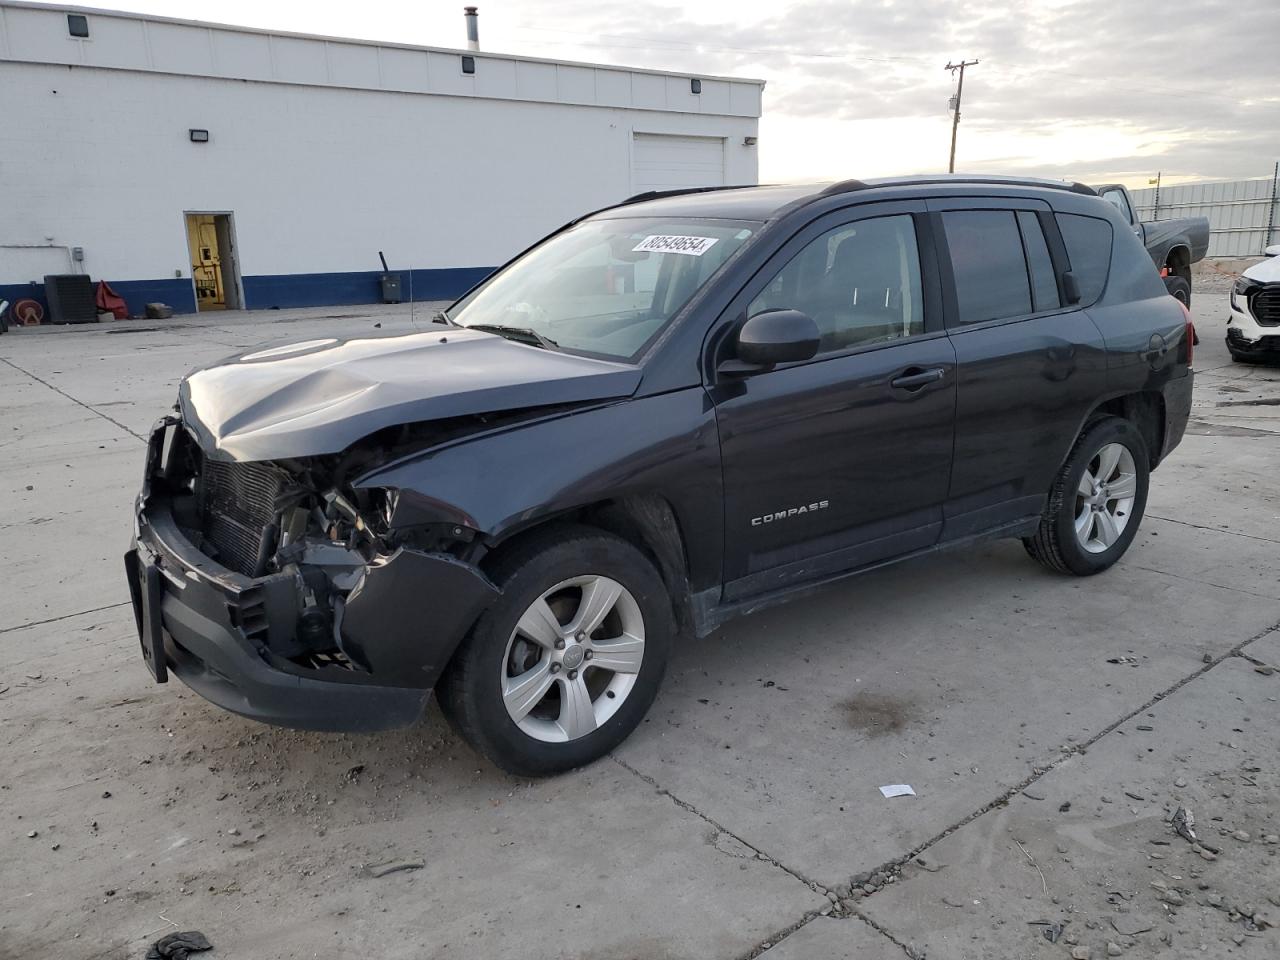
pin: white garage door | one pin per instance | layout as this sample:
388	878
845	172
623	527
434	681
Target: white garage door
663	162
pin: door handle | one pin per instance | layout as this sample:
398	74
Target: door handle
913	378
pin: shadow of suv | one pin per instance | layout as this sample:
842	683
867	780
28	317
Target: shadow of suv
667	413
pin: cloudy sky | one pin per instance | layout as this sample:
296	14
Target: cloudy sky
1086	89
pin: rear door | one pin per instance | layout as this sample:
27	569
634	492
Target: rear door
842	460
1031	366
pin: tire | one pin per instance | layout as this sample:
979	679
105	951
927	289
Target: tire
1058	544
1179	288
553	572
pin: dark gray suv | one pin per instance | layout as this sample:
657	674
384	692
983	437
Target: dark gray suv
669	412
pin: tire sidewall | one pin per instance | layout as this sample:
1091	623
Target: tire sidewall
502	740
1111	430
1179	285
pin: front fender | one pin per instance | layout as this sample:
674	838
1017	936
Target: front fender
498	484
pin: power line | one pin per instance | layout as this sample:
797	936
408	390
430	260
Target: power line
955	106
650	43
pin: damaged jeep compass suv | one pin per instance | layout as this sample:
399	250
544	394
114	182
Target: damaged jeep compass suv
667	413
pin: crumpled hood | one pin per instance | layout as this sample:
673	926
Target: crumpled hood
321	396
1268	271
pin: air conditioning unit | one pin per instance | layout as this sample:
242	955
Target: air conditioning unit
70	298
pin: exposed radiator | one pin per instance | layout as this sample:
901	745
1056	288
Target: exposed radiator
237	506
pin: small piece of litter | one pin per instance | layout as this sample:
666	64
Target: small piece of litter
385	869
897	790
177	946
1122	660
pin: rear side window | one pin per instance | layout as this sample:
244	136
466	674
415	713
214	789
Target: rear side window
1088	242
989	266
1044	285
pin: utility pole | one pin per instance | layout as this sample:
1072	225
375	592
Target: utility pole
1155	213
955	105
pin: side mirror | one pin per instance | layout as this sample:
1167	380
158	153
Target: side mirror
1272	251
777	336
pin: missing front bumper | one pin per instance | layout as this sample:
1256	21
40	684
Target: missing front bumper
217	630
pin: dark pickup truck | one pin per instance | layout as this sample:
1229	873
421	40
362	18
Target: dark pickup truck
1174	244
668	413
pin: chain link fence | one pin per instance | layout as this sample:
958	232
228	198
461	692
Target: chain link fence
1244	215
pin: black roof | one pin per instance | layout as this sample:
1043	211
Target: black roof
765	202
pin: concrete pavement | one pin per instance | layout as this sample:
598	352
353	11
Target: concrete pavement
743	818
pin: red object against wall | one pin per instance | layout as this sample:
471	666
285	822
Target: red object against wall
108	299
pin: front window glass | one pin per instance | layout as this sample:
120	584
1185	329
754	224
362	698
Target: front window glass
859	282
604	287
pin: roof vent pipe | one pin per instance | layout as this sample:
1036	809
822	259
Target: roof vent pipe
472	16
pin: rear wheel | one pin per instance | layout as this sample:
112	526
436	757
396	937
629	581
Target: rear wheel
1096	502
567	662
1179	288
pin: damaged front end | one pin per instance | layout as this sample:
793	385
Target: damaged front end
287	594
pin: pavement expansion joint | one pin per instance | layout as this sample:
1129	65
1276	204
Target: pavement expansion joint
64	616
892	870
685	805
62	393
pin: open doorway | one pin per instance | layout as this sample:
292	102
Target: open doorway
211	242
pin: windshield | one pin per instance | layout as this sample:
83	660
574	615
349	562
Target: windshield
604	287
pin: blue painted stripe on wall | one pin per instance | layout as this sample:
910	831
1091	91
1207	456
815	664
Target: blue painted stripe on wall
328	289
137	294
13	292
285	290
175	291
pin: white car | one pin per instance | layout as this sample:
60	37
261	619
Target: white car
1253	329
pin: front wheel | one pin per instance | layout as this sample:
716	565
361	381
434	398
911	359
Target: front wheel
1096	502
568	660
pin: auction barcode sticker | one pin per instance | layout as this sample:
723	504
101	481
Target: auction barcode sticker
691	246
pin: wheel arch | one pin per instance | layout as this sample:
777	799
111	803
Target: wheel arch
647	521
1145	410
1178	260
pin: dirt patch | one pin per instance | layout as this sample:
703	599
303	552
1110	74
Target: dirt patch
877	715
1201	428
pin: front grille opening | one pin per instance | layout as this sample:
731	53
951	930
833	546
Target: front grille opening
237	512
1266	305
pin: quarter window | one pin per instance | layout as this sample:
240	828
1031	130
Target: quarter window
1088	242
989	265
859	282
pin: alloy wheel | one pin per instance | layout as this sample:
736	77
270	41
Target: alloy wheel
572	659
1104	498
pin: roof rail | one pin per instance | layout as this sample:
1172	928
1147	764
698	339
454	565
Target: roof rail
993	180
659	194
843	186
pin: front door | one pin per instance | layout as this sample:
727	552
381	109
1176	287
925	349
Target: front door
843	460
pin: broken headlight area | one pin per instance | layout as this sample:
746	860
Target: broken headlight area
301	519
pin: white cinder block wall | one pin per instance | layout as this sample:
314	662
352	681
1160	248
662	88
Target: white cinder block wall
324	151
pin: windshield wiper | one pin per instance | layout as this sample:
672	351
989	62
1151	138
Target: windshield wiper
520	334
